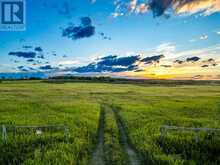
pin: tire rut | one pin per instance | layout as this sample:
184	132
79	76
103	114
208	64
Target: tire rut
132	155
98	155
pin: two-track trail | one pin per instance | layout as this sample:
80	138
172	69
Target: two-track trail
98	155
132	155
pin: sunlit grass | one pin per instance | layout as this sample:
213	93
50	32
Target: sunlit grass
143	109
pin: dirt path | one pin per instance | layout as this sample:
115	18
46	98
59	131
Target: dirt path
133	157
98	155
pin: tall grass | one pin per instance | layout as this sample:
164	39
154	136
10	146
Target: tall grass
142	109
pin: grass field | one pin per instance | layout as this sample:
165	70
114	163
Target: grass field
110	123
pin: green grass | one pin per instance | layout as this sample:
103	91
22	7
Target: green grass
113	151
32	103
143	110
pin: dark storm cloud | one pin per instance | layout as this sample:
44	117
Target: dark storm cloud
149	60
23	54
192	59
38	49
111	63
84	30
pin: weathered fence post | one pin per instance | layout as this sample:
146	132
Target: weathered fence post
66	133
4	133
197	136
162	133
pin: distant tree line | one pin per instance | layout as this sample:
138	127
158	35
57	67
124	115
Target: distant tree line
104	79
15	79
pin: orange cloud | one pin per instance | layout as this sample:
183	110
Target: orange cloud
194	6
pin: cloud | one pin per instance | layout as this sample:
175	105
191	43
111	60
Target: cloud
133	6
116	14
207	7
27	47
150	60
211	51
162	7
84	30
118	61
111	63
196	62
159	7
166	48
23	54
116	64
218	32
209	62
192	59
187	60
179	61
38	49
142	8
30	60
68	62
35	52
47	67
205	66
104	36
166	66
203	37
41	56
25	69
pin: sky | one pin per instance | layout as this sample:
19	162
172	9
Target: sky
150	39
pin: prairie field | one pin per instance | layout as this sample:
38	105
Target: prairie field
113	124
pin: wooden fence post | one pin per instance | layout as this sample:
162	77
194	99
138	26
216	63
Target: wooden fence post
66	133
197	136
162	132
4	133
